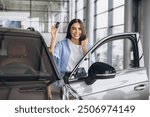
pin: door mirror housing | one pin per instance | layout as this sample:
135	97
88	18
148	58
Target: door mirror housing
99	70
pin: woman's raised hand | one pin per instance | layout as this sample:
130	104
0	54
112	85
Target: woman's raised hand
54	32
84	45
54	37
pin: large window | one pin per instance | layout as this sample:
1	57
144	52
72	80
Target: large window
109	18
80	9
102	54
41	14
59	13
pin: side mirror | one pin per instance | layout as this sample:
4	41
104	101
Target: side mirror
99	70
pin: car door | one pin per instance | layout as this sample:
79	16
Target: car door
123	52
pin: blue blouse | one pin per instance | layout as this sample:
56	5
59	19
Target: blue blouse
62	55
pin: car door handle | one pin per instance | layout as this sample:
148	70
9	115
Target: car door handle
140	87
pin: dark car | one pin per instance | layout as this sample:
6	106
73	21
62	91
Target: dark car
112	69
25	65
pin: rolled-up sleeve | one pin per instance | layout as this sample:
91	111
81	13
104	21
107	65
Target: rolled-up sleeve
57	54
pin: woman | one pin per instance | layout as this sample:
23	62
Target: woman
70	50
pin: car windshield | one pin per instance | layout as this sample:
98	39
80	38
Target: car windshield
23	56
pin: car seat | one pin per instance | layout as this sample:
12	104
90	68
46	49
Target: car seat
16	53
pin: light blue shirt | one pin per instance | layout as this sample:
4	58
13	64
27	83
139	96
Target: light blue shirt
62	55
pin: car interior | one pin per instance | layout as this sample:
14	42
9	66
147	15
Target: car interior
25	68
16	53
22	49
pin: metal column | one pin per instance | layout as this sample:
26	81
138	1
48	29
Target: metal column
90	22
90	19
128	27
110	24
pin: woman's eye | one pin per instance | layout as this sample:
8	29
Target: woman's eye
73	28
79	29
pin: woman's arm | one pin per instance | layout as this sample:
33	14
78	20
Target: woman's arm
54	37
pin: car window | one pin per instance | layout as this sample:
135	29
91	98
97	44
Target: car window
25	56
110	53
113	52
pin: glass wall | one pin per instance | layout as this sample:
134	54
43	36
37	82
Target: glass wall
109	17
40	14
59	13
80	6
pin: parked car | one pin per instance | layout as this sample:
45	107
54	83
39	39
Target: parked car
112	69
25	65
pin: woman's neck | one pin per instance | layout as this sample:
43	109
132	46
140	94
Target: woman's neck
75	41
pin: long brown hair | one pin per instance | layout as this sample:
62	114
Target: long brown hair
83	34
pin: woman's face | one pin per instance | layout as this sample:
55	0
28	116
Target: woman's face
76	31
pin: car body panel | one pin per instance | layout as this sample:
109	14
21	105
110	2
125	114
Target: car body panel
120	87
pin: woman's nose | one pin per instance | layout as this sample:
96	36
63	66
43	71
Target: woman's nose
77	31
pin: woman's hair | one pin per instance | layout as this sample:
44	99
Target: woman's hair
68	35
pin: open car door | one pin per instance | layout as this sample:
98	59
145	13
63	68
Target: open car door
112	69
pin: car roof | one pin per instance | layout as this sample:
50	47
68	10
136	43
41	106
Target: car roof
19	32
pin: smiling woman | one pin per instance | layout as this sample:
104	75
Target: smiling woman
69	51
